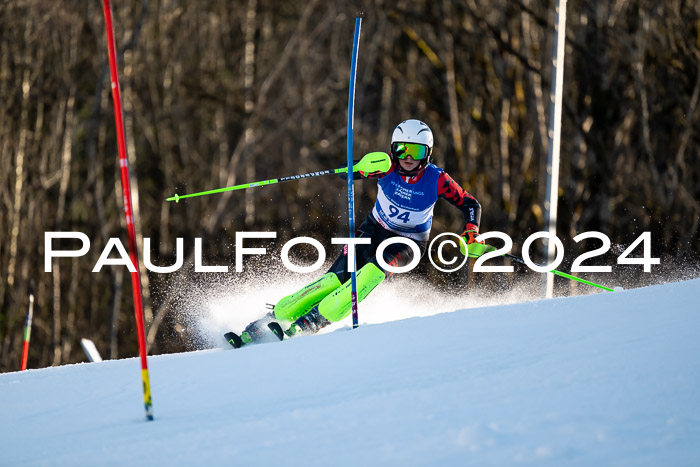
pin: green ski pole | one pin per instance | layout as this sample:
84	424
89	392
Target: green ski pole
372	162
562	274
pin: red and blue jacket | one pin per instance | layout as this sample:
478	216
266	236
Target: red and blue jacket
405	204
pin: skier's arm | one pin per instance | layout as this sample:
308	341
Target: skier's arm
450	190
471	209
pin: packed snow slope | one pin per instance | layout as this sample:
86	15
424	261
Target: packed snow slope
603	379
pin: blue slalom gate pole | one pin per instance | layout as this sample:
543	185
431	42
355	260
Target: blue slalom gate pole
351	190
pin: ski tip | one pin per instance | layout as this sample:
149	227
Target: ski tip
276	329
234	340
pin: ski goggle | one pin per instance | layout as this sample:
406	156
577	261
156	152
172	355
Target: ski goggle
416	151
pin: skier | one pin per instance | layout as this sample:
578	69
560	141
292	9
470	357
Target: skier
406	196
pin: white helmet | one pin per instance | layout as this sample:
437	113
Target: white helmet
413	132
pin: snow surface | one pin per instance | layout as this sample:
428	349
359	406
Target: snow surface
602	379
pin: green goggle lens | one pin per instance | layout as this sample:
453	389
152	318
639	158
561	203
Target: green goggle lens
416	151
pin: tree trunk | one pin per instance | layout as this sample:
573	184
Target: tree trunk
455	126
66	161
135	204
248	81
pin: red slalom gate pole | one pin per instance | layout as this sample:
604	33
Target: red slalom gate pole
28	328
126	188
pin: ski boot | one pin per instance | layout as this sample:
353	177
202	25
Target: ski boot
253	333
310	323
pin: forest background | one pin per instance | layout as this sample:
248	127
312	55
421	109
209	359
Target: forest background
218	92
